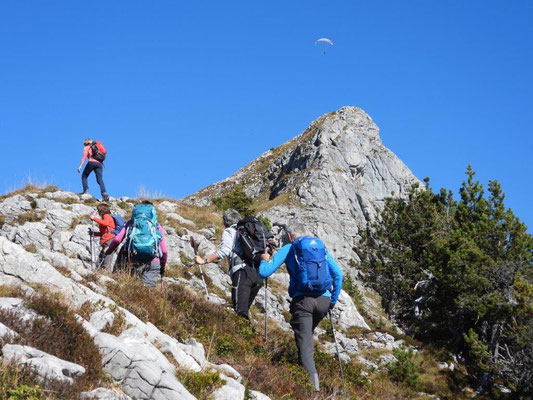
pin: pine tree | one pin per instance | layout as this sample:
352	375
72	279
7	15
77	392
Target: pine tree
453	272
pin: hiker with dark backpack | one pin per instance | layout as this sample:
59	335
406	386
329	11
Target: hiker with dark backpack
315	284
145	248
237	246
109	226
95	152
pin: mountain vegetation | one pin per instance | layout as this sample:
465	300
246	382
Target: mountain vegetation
458	273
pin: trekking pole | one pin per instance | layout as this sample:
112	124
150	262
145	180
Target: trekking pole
266	294
91	247
195	248
336	345
266	310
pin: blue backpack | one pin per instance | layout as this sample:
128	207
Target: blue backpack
312	272
143	237
119	224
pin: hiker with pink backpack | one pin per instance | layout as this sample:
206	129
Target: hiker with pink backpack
95	152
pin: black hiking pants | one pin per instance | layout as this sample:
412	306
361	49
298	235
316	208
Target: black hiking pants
307	312
98	169
246	283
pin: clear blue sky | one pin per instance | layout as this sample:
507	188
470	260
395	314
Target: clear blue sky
185	93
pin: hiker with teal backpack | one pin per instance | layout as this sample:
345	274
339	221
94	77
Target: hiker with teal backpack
109	226
95	152
144	247
314	286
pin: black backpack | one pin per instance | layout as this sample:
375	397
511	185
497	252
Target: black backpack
254	238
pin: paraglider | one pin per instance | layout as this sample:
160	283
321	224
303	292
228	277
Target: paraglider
325	42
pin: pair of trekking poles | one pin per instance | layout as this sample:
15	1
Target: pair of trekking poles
93	263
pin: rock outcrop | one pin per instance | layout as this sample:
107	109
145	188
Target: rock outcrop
333	177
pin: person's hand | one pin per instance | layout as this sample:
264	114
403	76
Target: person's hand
91	232
199	260
79	169
265	256
162	269
331	306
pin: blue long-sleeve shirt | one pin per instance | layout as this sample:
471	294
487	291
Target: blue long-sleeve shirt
286	256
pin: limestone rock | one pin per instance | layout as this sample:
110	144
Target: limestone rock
333	177
346	314
104	394
33	233
47	366
255	395
231	390
61	195
6	333
139	367
14	205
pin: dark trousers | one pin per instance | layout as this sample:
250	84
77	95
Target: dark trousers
307	312
246	283
98	169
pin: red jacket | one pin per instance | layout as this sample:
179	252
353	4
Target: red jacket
107	224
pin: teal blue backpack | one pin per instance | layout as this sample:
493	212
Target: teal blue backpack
143	237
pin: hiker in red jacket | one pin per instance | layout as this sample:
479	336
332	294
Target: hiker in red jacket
107	225
92	165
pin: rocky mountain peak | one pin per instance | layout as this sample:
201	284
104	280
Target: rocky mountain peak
333	177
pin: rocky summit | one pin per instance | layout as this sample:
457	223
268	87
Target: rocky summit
333	177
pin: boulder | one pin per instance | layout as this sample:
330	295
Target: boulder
47	366
104	394
231	390
140	368
33	233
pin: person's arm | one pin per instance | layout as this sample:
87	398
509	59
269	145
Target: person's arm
224	249
267	268
116	241
84	156
336	275
106	221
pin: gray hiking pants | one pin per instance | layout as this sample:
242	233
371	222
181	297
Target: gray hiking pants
148	273
307	312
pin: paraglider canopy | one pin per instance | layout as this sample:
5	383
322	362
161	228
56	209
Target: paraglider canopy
323	43
326	40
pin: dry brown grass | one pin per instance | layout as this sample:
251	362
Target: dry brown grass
59	333
227	338
30	216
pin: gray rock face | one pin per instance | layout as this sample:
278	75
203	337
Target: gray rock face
47	366
142	372
104	394
34	233
14	205
333	177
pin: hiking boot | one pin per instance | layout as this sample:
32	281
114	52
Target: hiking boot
314	381
105	197
84	192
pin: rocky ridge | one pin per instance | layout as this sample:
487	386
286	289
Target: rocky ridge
333	177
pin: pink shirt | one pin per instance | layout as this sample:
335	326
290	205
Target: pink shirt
88	153
163	245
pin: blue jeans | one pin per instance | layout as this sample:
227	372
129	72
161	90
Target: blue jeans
98	169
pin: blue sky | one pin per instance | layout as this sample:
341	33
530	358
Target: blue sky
185	93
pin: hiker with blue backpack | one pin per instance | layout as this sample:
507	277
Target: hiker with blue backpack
109	226
315	284
144	248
